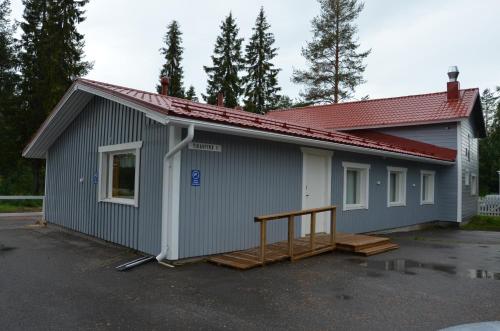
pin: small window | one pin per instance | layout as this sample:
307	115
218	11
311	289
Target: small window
467	148
119	173
473	184
467	178
396	186
356	179
427	187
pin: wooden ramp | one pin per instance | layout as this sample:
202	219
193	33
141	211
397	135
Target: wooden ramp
275	252
279	251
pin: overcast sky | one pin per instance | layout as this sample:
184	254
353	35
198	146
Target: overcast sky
412	42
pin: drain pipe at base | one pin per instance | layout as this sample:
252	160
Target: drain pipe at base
166	207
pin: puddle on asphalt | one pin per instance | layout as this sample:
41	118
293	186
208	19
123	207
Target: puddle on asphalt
408	267
4	248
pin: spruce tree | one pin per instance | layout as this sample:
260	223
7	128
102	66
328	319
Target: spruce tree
9	139
172	53
191	94
489	147
335	65
261	82
51	58
223	75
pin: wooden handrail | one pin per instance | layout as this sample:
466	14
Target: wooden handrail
291	231
293	213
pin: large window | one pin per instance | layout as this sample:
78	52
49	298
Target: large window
356	179
396	186
427	179
119	173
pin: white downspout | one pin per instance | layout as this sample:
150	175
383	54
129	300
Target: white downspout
166	190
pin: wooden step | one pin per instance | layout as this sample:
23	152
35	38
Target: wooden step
355	243
378	249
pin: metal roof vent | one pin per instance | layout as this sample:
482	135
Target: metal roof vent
453	73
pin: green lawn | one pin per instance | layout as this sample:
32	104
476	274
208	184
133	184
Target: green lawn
483	223
20	206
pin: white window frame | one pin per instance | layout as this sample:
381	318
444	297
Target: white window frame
433	185
401	188
106	167
474	184
365	185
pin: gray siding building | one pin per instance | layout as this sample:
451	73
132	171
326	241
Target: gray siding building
180	179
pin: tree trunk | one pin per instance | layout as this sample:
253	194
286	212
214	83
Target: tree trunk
336	87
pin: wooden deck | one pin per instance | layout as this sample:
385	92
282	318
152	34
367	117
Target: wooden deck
279	251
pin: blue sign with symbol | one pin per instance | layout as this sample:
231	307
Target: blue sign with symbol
195	177
95	178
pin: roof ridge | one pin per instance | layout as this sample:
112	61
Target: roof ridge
369	100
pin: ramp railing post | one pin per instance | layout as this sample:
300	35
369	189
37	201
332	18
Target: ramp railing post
333	225
291	235
262	241
312	234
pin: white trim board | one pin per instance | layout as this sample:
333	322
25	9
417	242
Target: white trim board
459	171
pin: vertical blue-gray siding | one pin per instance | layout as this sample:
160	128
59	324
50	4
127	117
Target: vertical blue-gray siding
248	178
469	166
378	216
73	161
442	134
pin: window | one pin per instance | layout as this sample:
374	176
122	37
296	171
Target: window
467	178
467	148
473	184
119	173
356	179
396	186
427	187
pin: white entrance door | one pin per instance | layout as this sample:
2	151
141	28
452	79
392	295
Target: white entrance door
316	187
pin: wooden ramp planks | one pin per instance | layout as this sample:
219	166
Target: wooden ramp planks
275	252
356	243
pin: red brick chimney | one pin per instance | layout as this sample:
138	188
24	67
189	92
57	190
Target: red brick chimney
165	82
453	85
220	99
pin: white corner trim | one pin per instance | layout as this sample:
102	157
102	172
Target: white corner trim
360	166
459	171
428	172
404	172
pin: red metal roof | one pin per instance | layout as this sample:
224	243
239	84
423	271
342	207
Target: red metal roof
408	144
407	110
187	109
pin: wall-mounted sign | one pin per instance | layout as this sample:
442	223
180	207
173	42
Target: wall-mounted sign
195	177
205	147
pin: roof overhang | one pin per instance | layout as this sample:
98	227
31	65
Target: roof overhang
79	94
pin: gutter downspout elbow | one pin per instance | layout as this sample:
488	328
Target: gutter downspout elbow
166	192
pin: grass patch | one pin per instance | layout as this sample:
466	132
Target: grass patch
20	206
483	223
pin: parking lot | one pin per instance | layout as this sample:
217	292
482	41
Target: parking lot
55	279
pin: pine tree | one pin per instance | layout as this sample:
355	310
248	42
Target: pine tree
489	147
223	75
191	94
335	65
261	82
9	140
172	53
51	58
